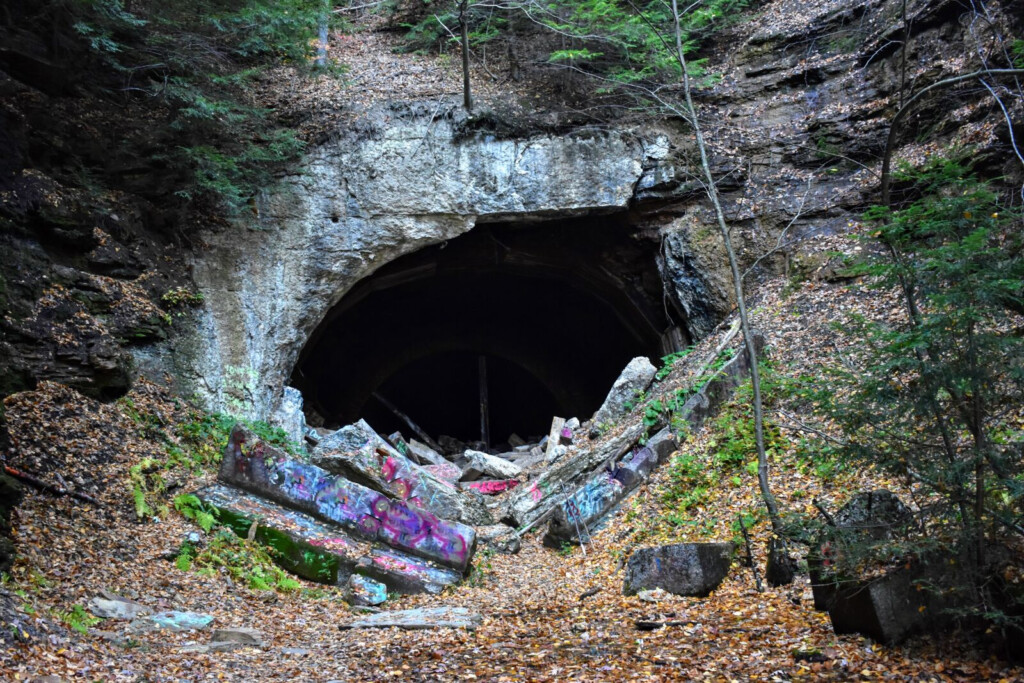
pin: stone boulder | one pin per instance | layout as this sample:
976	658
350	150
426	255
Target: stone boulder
238	636
693	569
635	377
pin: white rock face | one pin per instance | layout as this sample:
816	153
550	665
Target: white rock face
404	181
635	377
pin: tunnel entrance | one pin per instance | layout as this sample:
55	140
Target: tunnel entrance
533	320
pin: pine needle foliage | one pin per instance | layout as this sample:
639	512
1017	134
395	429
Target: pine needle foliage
196	65
936	397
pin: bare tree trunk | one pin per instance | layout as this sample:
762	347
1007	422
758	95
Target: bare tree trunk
748	337
467	96
321	48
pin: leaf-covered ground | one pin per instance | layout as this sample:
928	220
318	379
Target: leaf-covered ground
549	615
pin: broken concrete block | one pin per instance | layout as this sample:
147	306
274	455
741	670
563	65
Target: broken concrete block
422	618
289	416
425	454
364	591
514	440
575	518
554	436
319	551
635	378
867	516
492	487
398	441
255	466
531	501
693	569
555	453
404	574
484	465
573	423
359	454
893	607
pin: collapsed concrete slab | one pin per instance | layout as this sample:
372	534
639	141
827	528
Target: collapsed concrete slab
255	466
321	552
576	517
531	502
359	454
422	618
693	569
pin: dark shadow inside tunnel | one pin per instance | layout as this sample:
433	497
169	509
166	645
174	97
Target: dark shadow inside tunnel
532	320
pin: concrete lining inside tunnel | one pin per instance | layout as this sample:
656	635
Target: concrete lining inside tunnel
551	312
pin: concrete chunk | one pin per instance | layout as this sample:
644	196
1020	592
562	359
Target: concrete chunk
484	465
255	466
359	454
635	377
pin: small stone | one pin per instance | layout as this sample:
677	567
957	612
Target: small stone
242	636
116	608
365	591
171	621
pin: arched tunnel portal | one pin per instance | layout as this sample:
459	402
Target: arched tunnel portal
543	315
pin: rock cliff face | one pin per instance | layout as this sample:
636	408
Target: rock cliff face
405	180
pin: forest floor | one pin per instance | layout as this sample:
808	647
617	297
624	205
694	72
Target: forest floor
549	615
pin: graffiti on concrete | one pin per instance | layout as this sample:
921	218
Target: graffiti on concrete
448	472
577	515
492	487
319	551
253	465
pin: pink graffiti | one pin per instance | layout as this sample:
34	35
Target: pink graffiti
490	488
389	469
535	493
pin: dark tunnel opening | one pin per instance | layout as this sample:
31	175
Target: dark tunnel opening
548	313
